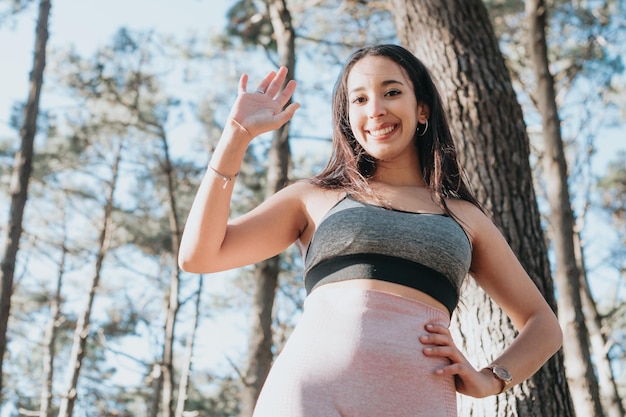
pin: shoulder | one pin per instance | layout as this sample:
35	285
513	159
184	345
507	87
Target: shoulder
472	219
313	203
310	199
309	193
301	191
492	256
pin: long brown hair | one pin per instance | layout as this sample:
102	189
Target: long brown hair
350	167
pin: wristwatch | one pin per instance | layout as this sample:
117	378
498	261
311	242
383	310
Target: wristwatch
502	374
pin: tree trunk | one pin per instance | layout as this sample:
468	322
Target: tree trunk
22	169
156	378
260	333
456	41
599	345
81	333
266	273
581	379
173	304
45	408
186	371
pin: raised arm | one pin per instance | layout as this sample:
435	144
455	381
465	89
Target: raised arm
209	243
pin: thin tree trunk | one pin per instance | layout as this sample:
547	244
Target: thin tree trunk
22	169
581	379
599	345
260	342
49	353
83	326
186	371
455	40
157	386
173	305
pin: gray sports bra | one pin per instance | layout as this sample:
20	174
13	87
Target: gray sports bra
428	252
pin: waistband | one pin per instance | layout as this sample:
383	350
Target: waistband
385	268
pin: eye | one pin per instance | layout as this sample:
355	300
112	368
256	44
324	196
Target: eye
394	92
358	100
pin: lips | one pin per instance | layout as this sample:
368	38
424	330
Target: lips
383	131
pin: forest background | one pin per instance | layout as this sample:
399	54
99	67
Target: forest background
136	91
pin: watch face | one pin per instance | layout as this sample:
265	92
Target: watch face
502	373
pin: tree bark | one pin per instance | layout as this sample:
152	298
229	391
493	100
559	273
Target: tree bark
81	333
266	273
22	169
581	378
455	40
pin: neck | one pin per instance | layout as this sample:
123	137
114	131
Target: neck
399	177
405	171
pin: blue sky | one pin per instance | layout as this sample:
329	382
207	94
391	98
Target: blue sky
88	24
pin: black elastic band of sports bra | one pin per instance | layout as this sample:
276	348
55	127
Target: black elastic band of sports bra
385	268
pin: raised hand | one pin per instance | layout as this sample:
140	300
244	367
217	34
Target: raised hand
264	109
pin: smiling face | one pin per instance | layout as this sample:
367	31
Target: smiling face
383	110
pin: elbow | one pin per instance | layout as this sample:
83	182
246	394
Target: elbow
558	336
185	265
189	263
195	264
556	332
546	331
191	257
193	267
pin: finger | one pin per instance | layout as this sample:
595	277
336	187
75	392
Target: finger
453	369
264	85
243	83
277	81
436	339
443	351
287	93
453	356
437	328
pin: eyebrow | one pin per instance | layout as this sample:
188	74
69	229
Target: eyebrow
384	83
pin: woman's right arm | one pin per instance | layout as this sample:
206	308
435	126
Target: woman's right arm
209	243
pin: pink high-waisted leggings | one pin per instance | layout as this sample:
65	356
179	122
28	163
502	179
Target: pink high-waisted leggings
356	353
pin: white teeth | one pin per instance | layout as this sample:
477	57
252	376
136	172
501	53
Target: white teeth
381	131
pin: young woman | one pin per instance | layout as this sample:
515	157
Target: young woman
388	232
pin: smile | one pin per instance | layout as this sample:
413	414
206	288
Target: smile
381	132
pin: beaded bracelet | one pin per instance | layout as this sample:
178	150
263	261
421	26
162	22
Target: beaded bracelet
222	176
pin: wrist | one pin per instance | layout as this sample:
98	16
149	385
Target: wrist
227	179
231	147
495	385
241	129
500	375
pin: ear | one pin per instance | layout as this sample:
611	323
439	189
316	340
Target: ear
423	113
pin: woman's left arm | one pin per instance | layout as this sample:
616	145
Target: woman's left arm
498	271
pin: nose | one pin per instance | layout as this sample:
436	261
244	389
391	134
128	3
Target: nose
376	107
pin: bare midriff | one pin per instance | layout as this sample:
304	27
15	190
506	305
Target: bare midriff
390	287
